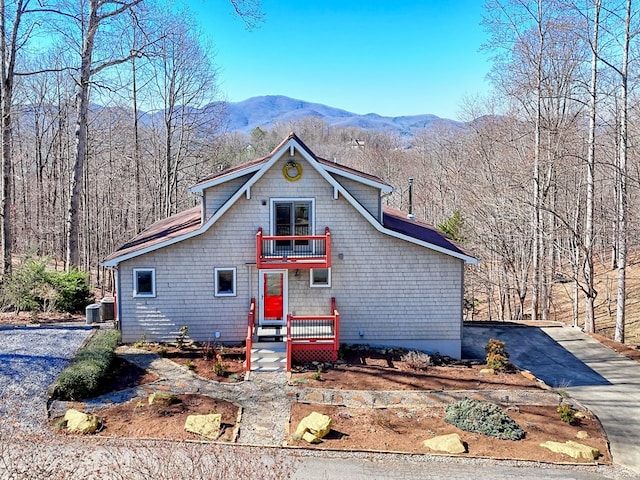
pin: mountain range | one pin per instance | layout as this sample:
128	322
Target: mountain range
267	111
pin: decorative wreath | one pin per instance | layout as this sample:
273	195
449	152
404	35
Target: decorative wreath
288	169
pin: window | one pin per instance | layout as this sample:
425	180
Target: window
144	282
225	282
320	277
292	217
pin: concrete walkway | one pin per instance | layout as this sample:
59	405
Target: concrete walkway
602	380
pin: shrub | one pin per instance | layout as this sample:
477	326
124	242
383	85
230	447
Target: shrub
483	417
416	360
27	284
90	367
497	355
182	336
219	366
567	414
33	287
73	290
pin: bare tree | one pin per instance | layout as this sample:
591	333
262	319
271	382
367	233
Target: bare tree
12	38
98	13
589	324
622	187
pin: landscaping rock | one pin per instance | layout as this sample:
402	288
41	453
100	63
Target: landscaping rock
487	371
528	374
313	427
582	435
573	449
80	422
446	443
163	399
207	426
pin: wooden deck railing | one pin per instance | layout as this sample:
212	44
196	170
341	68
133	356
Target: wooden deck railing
313	337
293	251
251	321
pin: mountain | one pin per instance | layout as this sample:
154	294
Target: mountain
268	110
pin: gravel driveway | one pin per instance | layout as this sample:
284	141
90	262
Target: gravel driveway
30	360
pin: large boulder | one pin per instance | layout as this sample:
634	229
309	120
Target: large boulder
450	443
80	422
313	427
573	449
207	426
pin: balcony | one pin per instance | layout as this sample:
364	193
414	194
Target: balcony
293	251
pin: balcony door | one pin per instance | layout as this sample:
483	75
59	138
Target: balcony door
292	217
273	297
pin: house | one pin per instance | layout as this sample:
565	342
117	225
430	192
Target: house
293	240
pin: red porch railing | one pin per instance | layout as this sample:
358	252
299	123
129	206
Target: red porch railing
313	337
251	321
293	251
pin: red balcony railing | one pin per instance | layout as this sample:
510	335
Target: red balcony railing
313	337
251	321
293	251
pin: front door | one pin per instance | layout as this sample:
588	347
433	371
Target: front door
273	295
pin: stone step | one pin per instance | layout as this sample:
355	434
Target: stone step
269	356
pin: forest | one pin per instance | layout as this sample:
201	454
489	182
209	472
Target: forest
111	110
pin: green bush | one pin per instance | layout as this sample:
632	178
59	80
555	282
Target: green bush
483	417
73	290
567	414
90	367
26	287
33	287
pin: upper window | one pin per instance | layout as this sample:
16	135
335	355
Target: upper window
225	282
144	282
320	277
292	218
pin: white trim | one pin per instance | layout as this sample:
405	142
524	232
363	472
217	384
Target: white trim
285	297
234	291
137	294
312	284
259	172
224	178
356	178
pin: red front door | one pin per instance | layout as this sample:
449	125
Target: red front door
273	296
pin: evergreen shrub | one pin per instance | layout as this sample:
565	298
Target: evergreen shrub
483	417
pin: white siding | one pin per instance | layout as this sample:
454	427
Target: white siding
397	293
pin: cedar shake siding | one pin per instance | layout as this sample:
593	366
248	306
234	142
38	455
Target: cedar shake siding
390	288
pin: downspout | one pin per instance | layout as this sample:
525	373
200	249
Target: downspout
117	299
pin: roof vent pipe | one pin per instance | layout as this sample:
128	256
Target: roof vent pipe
411	197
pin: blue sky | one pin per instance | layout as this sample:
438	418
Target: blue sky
391	57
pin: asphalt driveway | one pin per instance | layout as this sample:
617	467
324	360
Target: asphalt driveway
602	380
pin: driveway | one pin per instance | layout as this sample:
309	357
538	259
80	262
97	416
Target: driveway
602	380
30	360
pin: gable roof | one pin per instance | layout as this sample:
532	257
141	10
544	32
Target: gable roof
189	223
255	165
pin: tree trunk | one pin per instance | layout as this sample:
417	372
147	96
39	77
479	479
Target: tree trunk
622	189
82	112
